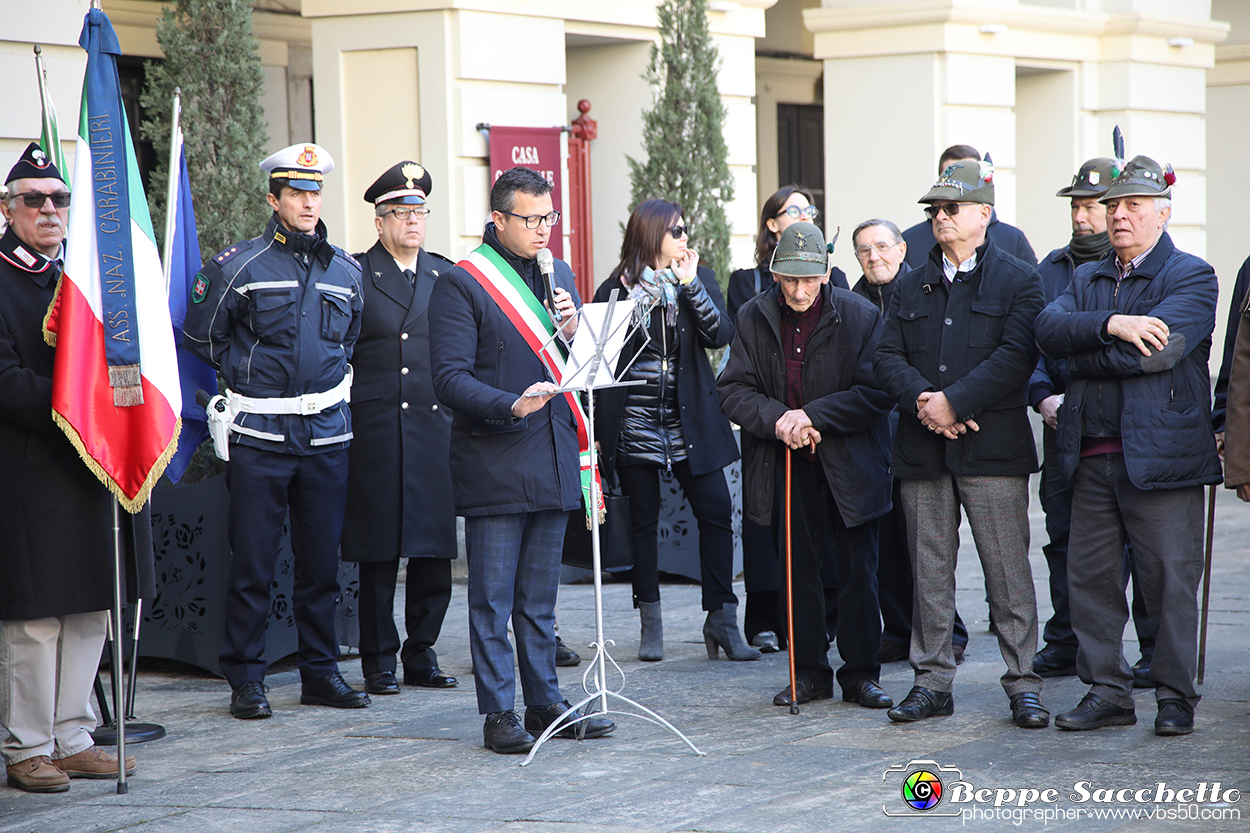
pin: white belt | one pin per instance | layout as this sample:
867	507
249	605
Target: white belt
305	405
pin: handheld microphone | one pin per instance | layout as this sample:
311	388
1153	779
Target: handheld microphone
547	265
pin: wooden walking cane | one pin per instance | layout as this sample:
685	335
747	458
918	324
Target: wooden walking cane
794	695
1206	585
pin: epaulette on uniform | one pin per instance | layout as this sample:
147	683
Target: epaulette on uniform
231	252
346	256
437	256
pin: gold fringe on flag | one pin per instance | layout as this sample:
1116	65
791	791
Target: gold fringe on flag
131	505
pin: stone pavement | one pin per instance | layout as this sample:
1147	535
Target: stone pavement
415	762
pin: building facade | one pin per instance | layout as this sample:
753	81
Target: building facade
855	98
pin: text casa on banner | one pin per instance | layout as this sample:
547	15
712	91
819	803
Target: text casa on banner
537	148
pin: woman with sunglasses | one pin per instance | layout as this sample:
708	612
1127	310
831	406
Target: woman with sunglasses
763	619
672	421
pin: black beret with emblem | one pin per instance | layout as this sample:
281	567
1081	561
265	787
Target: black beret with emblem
34	164
1092	180
1141	176
800	252
965	181
407	183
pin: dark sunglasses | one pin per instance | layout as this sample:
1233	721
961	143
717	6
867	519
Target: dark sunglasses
951	209
679	232
35	199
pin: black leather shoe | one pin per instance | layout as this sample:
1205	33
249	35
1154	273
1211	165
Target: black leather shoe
806	692
502	733
868	694
432	677
958	650
1054	661
381	682
566	657
1093	712
248	701
1176	717
1141	673
892	652
1027	711
538	718
332	690
921	703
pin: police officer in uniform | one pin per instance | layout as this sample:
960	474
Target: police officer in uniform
278	316
399	495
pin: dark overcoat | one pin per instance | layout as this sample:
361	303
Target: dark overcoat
974	342
708	437
500	465
56	529
843	401
399	500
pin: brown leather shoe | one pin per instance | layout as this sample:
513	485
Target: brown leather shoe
93	762
37	775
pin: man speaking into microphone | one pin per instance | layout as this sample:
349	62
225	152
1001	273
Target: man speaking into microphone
515	448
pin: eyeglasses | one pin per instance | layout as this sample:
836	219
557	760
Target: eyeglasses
36	199
951	209
880	247
533	220
811	212
402	214
679	232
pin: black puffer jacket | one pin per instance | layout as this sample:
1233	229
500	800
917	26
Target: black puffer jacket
690	387
651	422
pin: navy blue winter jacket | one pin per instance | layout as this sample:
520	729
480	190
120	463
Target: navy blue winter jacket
1162	418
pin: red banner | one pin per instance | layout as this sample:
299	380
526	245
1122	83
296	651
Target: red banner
537	148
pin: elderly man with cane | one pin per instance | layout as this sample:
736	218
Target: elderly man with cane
800	378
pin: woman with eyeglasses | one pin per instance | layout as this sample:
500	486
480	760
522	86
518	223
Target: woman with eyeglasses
763	619
672	420
787	206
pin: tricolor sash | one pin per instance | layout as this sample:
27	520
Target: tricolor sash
517	301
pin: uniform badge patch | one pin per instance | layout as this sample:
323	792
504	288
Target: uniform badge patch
199	289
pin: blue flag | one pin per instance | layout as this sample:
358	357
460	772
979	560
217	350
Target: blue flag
195	375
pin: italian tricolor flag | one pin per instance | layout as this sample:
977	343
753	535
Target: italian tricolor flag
127	429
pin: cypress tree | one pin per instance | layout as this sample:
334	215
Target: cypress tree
211	53
683	133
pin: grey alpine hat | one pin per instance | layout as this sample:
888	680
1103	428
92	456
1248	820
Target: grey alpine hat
1140	177
964	181
801	252
1092	180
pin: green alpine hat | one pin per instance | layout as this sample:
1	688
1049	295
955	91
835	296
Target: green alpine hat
1092	180
964	181
800	252
1141	177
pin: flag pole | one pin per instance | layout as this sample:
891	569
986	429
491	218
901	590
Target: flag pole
118	708
171	204
122	786
41	73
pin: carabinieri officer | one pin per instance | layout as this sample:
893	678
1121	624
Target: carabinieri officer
278	316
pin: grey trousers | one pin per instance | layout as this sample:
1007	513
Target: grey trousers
998	512
47	667
1166	528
